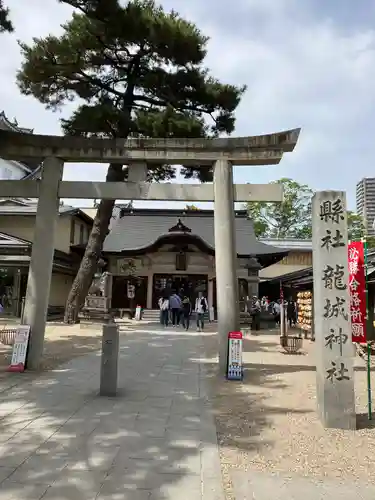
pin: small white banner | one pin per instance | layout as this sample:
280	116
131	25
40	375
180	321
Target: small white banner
20	345
138	311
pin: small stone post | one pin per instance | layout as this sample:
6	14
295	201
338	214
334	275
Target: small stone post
282	319
332	323
109	362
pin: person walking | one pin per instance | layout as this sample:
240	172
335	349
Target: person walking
276	312
186	311
291	312
160	302
296	309
175	304
255	311
201	307
164	310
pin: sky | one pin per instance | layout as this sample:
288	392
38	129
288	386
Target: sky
308	64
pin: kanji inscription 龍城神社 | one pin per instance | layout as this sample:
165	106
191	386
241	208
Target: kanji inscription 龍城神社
332	311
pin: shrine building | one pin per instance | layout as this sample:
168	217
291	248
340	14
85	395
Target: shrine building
150	250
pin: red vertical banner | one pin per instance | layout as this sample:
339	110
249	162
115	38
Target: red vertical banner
357	290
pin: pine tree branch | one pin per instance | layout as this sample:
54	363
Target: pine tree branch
6	24
163	103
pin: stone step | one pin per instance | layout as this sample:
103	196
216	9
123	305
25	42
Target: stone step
154	315
151	315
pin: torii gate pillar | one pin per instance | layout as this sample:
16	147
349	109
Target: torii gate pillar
41	263
225	258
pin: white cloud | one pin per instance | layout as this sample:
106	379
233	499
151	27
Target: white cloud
302	66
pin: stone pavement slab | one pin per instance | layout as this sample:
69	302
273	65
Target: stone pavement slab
265	486
156	440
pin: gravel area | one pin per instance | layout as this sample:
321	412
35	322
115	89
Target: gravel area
269	423
62	343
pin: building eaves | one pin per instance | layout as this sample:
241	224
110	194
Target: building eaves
31	209
289	243
6	124
10	240
291	277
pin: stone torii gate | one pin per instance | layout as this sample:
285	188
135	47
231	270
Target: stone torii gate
221	153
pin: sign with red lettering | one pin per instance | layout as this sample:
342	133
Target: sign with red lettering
357	289
235	369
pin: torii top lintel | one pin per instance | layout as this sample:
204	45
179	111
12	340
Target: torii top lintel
252	150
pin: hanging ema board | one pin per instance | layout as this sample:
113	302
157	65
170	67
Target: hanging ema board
21	342
235	368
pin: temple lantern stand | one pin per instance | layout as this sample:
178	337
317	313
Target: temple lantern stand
253	267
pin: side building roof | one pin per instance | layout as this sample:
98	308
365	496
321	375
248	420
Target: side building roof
14	207
140	230
32	170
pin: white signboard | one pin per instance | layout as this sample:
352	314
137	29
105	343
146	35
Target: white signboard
21	342
131	291
138	311
235	369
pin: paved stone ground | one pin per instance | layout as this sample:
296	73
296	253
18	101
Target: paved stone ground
155	441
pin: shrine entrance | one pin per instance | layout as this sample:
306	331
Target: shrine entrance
120	289
190	283
219	154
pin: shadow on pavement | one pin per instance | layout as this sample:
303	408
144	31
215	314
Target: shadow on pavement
236	430
156	440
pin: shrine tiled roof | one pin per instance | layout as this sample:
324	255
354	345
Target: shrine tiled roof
138	229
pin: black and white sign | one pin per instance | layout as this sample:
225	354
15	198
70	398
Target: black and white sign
21	342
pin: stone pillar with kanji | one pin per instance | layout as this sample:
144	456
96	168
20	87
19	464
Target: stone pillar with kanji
334	348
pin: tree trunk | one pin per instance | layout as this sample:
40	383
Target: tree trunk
87	269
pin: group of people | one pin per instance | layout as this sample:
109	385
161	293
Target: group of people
177	308
255	306
290	310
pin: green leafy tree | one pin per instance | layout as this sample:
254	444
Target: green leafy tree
191	208
290	218
5	23
357	229
356	226
134	71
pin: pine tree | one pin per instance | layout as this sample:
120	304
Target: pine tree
5	23
140	73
